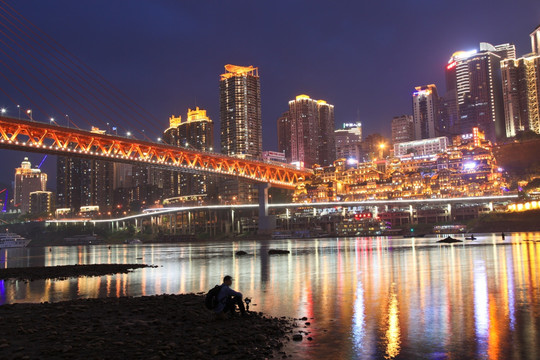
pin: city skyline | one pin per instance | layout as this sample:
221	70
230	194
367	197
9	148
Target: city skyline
317	78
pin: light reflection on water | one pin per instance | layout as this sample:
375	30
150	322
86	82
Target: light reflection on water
368	297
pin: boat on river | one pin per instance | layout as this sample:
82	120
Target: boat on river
12	240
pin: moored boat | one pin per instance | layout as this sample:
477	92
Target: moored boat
12	240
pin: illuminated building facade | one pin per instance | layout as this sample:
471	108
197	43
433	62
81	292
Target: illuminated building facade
521	90
84	182
196	132
425	111
241	125
402	129
466	167
310	128
421	147
349	141
40	202
27	180
274	156
476	77
240	111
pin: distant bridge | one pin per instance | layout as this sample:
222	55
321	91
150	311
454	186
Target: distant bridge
348	204
44	138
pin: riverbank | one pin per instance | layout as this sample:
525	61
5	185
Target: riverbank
150	327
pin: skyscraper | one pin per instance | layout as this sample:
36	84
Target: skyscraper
521	90
310	129
402	129
425	111
27	180
84	182
477	84
197	132
349	141
240	111
241	125
326	149
284	135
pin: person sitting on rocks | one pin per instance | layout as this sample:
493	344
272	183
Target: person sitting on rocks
228	299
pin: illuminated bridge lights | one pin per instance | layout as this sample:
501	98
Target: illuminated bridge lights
16	133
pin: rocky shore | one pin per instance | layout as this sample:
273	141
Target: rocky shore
64	272
148	327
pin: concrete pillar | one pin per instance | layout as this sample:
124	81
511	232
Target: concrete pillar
411	214
232	221
490	206
266	224
450	212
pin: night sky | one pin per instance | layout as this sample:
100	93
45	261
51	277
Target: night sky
365	57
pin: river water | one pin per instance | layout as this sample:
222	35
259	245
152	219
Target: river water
366	297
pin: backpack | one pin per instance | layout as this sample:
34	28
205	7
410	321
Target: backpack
211	299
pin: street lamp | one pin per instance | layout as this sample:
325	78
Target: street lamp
67	117
128	133
52	121
19	108
381	147
29	113
158	139
3	111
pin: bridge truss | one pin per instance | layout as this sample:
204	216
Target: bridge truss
39	137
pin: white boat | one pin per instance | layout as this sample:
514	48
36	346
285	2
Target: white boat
12	240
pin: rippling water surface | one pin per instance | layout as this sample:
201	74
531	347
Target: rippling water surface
366	297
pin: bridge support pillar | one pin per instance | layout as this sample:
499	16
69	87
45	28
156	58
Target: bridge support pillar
266	223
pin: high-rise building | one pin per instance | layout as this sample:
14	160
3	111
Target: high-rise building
310	128
521	90
535	40
402	129
27	180
197	132
477	84
84	182
240	111
327	145
241	125
284	135
349	141
425	111
40	202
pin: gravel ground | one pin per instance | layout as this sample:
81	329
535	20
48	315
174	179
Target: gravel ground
148	327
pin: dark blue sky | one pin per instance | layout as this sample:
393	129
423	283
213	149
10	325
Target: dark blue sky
365	57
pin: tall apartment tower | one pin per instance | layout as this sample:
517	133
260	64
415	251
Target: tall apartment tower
284	135
197	132
349	141
240	111
309	128
478	89
425	111
84	182
27	180
241	125
521	90
402	129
